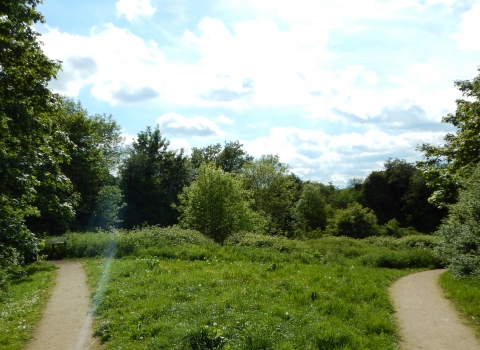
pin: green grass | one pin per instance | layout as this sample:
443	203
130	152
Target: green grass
21	309
232	301
465	293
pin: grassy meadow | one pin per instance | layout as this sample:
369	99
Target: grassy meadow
242	304
22	306
175	289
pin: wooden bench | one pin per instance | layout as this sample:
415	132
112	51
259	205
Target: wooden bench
56	240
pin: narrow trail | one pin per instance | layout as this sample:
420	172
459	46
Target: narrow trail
427	319
66	323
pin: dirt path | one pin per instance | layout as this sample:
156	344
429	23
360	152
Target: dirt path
66	322
427	320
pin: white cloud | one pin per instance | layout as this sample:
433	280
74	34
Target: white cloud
444	2
254	65
128	138
176	124
333	13
127	69
224	120
179	143
134	9
316	155
468	36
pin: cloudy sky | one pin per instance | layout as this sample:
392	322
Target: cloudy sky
333	87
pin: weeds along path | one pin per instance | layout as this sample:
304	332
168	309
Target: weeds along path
427	319
66	322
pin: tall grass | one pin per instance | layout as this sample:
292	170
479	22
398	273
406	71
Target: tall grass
175	243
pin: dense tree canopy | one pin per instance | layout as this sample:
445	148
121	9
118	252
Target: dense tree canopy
400	192
152	176
32	149
94	149
377	196
231	158
310	212
274	190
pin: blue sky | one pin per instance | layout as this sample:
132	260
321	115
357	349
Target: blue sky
334	88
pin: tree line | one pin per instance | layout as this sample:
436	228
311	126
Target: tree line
62	169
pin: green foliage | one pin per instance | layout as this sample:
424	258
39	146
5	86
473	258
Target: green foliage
95	152
416	209
152	176
310	211
376	195
461	231
447	165
215	204
22	307
391	228
355	221
93	149
31	147
108	207
231	158
341	198
465	293
400	192
274	192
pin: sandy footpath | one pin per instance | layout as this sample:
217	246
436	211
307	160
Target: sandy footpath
66	323
427	319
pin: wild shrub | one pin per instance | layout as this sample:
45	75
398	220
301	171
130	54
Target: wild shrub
461	231
392	229
215	204
355	221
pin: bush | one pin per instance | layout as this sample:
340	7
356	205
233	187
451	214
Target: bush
461	231
355	221
392	228
310	211
215	204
